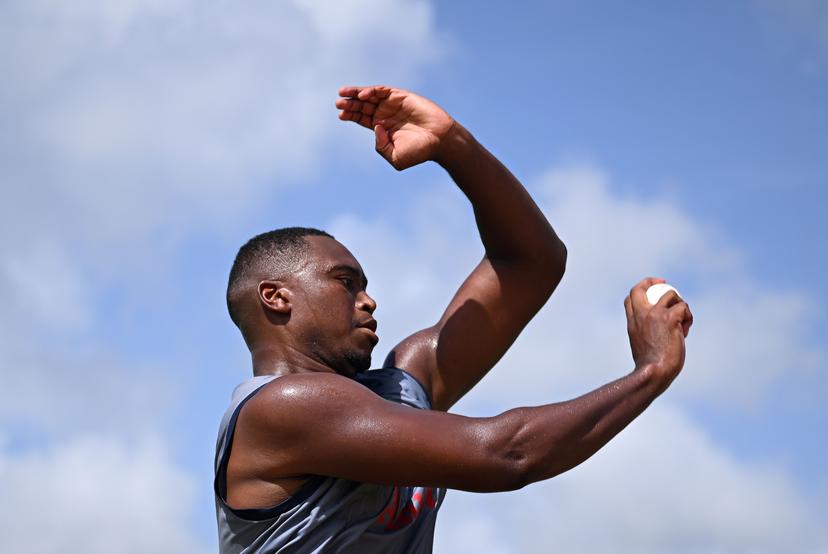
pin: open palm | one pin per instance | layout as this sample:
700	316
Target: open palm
409	129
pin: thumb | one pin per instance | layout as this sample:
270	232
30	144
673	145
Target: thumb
384	145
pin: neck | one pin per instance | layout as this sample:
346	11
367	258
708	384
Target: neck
283	360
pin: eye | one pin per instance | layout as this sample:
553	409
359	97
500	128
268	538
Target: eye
347	281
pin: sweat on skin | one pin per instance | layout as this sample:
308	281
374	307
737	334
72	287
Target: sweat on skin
313	328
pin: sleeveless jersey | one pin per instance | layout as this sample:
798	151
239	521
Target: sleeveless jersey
328	514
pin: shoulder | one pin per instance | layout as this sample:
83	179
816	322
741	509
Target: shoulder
291	414
298	389
289	387
298	401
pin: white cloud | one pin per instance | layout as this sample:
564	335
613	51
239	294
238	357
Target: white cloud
125	119
664	485
477	531
743	328
46	286
57	377
95	494
65	392
127	122
580	337
126	125
364	21
749	340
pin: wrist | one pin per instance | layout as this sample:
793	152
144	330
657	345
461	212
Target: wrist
654	376
454	147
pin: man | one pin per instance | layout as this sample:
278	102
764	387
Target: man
316	454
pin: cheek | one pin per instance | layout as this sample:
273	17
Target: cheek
333	308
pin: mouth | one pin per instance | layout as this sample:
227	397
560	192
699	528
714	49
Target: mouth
371	327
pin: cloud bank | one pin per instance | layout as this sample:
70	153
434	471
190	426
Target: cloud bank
126	125
126	118
95	494
665	484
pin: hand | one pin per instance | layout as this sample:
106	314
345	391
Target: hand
409	129
657	332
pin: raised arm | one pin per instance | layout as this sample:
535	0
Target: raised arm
524	259
326	424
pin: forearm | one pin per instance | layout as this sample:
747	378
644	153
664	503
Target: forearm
511	225
548	440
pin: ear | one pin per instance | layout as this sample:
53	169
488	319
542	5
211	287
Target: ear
275	297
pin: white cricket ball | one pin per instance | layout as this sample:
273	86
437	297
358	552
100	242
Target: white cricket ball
655	292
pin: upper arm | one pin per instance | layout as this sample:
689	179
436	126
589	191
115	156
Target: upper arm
483	319
330	425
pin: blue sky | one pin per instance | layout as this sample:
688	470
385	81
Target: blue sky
144	141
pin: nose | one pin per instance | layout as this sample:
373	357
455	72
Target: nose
366	303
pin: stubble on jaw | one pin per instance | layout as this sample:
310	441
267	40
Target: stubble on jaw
351	361
359	360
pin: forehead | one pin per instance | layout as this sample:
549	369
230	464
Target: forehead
327	253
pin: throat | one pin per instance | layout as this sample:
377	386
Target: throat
282	360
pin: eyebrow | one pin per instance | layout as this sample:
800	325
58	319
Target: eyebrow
350	269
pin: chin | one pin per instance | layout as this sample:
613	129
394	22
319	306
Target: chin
359	361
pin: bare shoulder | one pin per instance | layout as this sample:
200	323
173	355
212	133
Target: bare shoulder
276	426
296	402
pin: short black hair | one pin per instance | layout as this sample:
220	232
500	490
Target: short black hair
276	252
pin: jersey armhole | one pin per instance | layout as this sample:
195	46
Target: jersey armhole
220	481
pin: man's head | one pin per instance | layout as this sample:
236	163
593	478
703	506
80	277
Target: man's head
299	288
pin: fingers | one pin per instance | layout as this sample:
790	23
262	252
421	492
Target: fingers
371	94
679	311
638	294
687	322
630	315
383	142
351	105
359	104
668	299
356	117
681	315
348	91
374	94
356	111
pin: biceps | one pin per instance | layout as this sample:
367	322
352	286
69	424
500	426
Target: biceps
495	302
404	446
482	321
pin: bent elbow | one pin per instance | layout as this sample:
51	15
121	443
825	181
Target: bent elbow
525	470
553	265
519	474
514	464
559	265
506	474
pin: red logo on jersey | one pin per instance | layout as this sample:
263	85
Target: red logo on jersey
392	519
